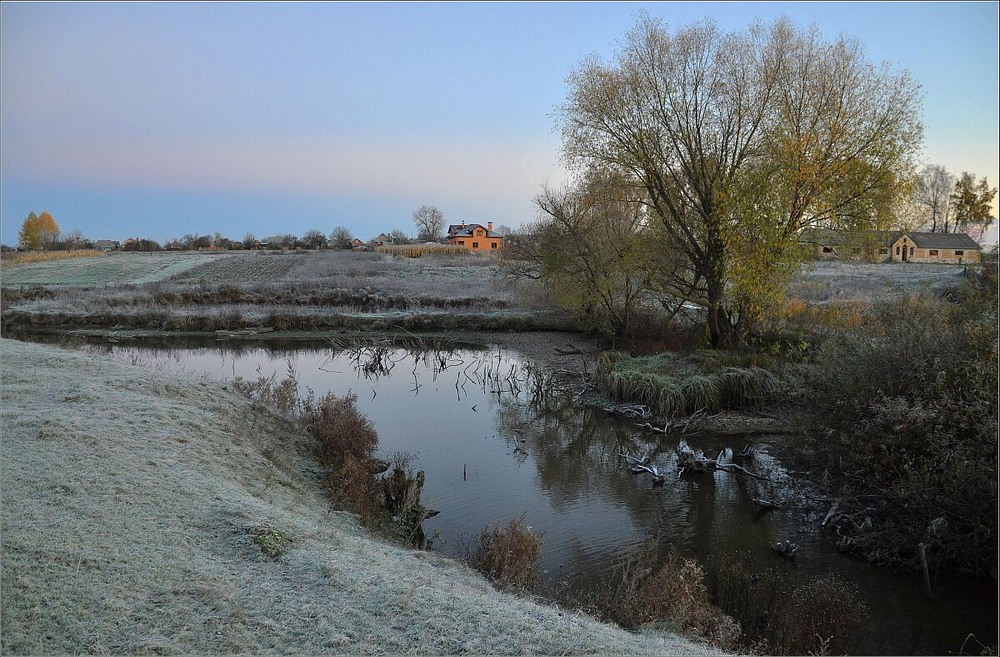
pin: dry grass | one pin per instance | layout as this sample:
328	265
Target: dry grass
134	508
23	258
420	250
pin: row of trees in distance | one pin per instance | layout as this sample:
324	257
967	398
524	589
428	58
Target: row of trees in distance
40	232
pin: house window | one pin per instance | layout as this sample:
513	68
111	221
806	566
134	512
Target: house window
461	242
475	245
493	245
960	253
897	250
932	252
911	251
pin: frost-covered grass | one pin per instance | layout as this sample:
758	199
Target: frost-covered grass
856	281
139	515
110	269
288	291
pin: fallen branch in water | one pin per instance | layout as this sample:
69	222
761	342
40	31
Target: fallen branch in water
688	424
688	458
766	505
640	464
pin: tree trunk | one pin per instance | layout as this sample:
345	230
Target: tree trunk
716	318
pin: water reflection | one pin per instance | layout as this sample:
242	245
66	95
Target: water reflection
498	436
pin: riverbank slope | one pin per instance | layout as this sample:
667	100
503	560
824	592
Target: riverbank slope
146	513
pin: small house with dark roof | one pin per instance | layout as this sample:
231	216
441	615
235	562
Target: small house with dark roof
475	237
828	244
948	248
380	240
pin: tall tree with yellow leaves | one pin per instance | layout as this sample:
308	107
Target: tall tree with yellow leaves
39	232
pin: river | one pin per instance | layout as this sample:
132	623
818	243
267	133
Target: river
499	438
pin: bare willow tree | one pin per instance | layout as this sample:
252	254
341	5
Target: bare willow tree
429	222
932	195
591	249
736	142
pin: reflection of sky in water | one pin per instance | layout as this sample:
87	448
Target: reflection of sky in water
558	465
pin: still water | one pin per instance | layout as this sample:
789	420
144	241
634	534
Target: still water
498	438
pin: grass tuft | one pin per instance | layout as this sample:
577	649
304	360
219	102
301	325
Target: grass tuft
271	541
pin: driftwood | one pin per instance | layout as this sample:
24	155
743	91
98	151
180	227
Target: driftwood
641	464
786	549
634	411
689	459
766	505
686	425
568	350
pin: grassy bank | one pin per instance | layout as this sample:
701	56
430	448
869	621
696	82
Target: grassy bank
144	513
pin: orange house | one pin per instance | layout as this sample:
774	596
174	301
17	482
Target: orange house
475	237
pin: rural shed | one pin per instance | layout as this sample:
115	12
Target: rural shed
947	248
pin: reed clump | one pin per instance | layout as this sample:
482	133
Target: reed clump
673	385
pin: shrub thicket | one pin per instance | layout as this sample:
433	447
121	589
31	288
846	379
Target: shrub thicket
906	408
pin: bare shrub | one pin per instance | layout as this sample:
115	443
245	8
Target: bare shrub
906	415
345	443
508	556
282	396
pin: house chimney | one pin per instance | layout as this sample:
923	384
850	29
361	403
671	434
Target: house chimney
463	223
489	225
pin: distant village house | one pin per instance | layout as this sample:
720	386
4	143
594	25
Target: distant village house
381	240
107	245
950	248
475	237
879	246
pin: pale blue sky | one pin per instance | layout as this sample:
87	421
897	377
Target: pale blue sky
160	119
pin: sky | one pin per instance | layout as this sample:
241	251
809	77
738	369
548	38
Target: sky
158	120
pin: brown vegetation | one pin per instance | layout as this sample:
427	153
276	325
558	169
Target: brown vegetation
25	257
508	556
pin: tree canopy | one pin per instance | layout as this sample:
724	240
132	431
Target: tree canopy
737	142
971	202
